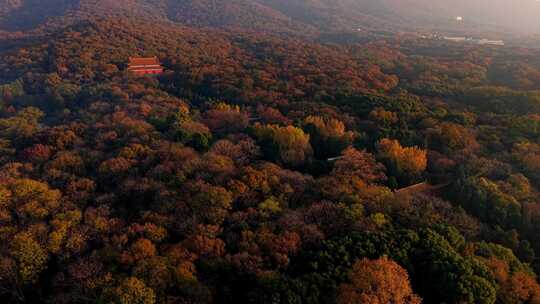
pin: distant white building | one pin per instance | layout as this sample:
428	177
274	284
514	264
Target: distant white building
490	42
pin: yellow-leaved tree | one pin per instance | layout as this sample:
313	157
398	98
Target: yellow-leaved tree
408	163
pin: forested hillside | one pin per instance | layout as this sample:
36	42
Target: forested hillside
264	169
298	16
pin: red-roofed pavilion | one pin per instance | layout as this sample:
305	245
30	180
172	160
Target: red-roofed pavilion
145	66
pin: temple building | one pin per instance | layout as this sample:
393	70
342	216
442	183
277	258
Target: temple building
145	66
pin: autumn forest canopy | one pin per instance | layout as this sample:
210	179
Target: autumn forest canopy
302	166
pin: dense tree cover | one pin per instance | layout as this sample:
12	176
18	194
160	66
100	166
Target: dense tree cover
262	169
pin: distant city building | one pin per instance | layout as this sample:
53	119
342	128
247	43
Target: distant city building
456	39
145	66
475	40
490	42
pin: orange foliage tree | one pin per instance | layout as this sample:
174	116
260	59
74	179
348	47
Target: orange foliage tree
379	281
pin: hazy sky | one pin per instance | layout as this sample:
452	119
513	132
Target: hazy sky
518	14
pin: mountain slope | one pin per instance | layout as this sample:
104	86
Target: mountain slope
247	14
287	15
23	14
